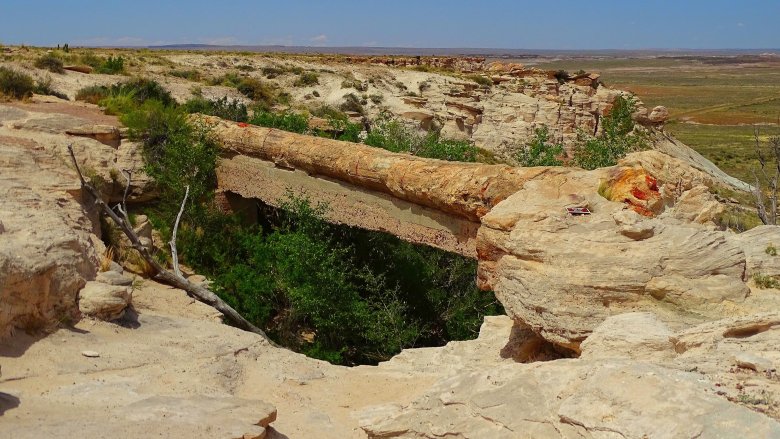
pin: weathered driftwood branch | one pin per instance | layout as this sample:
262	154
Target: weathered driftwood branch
770	216
161	274
172	243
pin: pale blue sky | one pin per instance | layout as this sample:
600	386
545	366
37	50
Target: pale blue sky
559	24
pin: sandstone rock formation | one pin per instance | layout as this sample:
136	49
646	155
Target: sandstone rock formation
104	301
635	379
47	249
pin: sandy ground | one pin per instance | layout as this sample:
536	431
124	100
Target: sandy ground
173	347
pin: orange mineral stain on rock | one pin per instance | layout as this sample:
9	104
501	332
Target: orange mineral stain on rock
637	188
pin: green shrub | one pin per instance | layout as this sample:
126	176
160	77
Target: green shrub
122	98
223	107
328	112
93	94
176	154
15	84
287	121
615	141
190	75
258	91
50	63
395	136
43	87
562	76
230	79
765	282
91	60
771	250
484	81
539	152
111	66
376	99
307	79
352	103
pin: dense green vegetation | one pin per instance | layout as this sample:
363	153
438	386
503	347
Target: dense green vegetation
107	66
619	136
222	107
345	295
395	136
540	152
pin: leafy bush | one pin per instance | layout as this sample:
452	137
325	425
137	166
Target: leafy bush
328	112
562	76
307	79
15	84
258	91
376	99
176	154
50	63
91	60
230	79
765	281
190	75
484	81
395	136
223	107
93	94
615	141
539	152
111	66
143	90
122	98
287	121
43	87
352	103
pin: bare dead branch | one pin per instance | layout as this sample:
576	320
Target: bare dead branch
128	177
770	216
197	291
172	243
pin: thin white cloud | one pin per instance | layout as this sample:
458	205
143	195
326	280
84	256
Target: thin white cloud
319	39
740	24
220	41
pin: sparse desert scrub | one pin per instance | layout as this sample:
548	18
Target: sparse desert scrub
307	79
263	94
43	87
93	94
15	84
352	103
51	63
482	80
188	74
223	107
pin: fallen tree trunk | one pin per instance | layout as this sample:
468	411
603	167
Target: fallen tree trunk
466	190
197	291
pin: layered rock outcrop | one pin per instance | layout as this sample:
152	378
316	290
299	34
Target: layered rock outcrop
636	379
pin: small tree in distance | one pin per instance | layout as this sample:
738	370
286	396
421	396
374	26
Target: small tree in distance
768	159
